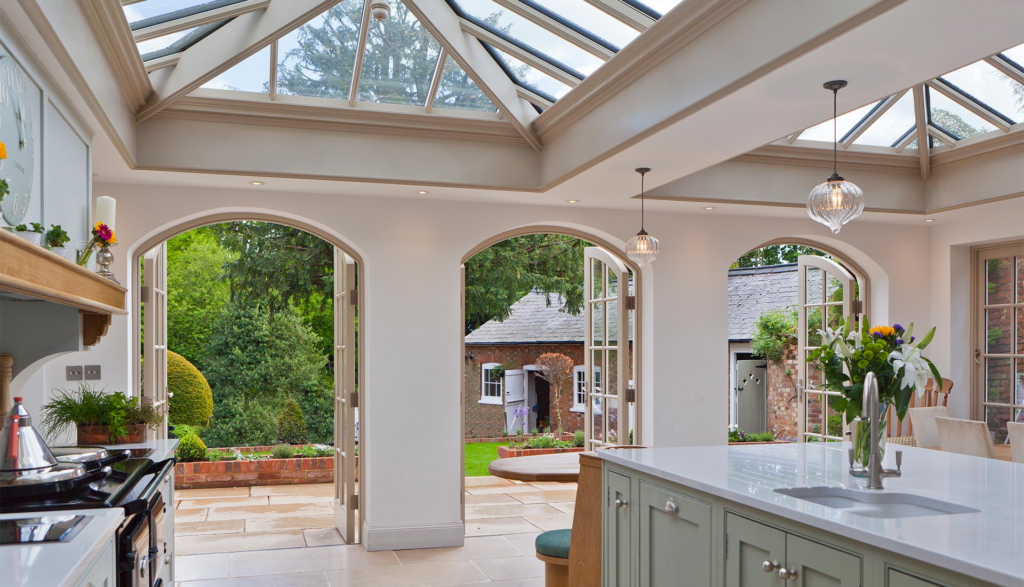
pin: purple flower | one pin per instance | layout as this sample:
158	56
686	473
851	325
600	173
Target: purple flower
897	328
913	338
877	334
899	341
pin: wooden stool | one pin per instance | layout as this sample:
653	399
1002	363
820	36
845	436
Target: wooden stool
553	549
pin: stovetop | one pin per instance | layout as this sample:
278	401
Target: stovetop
49	528
127	480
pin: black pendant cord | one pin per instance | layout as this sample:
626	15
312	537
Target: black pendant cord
642	203
835	133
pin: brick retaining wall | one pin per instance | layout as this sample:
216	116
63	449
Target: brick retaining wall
205	475
505	452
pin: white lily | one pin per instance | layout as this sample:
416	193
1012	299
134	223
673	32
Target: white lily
828	335
843	350
857	338
915	369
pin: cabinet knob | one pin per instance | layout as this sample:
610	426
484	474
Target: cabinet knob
671	506
620	504
787	574
770	566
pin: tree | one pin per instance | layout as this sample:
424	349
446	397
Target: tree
775	255
556	369
954	123
503	273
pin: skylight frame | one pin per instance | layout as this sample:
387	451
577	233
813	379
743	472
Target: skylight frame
186	42
562	27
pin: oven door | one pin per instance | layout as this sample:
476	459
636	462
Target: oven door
158	546
134	565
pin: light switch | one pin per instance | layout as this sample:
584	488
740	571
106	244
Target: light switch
74	373
92	372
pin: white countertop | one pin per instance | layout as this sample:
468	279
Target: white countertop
162	449
58	563
988	545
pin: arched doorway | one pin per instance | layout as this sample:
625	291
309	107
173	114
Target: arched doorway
780	294
343	295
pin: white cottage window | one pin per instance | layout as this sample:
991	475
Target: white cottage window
579	389
490	384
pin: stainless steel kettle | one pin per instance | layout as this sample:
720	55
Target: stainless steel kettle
22	450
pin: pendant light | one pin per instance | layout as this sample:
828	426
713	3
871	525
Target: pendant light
837	201
643	248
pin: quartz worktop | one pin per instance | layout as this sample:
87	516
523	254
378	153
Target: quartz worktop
58	564
162	448
988	544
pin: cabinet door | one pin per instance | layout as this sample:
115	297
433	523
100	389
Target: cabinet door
896	578
675	539
102	572
817	565
617	535
749	545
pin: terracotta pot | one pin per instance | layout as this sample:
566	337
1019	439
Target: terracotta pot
100	435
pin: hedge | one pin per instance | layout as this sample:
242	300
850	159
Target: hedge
192	402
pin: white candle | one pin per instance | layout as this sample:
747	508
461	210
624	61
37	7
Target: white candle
105	211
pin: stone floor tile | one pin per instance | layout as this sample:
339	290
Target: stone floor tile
212	543
567	507
208	527
180	494
189	516
323	537
270	511
475	548
553	485
314	558
422	575
487	481
496	526
532	582
523	567
479	512
304	498
198	567
491	499
545	496
315	579
220	502
302	489
510	489
525	543
546	523
293	523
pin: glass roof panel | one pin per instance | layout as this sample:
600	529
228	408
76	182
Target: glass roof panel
1015	54
176	42
912	145
317	58
990	87
399	61
890	126
251	75
954	118
585	16
823	131
533	79
457	90
161	43
532	35
661	6
151	12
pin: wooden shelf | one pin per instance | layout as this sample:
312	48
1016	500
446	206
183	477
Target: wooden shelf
33	272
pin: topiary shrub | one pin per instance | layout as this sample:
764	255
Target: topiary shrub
282	451
192	402
183	430
291	428
191	449
578	439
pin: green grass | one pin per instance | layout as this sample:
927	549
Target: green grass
479	455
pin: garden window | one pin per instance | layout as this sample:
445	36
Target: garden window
490	384
579	388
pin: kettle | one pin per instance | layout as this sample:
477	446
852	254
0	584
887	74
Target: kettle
22	450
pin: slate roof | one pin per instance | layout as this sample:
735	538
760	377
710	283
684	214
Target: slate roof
531	322
755	290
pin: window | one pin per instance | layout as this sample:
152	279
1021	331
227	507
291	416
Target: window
999	337
490	384
579	388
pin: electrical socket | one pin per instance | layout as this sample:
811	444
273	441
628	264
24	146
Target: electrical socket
74	373
92	372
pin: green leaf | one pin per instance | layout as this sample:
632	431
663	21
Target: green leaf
927	339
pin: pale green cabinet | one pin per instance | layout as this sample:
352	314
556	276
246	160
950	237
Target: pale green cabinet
675	539
895	578
618	537
815	565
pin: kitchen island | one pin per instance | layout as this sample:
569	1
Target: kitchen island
713	515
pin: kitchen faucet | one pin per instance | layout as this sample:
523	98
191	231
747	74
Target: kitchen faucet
870	410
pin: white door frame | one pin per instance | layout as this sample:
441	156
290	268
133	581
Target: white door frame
597	309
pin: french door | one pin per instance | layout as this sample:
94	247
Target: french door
346	399
826	294
154	332
606	313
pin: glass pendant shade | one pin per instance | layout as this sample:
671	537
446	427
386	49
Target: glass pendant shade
643	249
835	202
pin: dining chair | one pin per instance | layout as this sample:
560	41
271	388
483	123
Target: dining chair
966	437
926	433
1015	431
930	397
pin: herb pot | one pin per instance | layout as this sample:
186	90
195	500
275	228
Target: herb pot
35	238
61	252
101	435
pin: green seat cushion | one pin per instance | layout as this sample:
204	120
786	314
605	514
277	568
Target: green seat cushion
554	543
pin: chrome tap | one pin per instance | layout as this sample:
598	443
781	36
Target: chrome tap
870	410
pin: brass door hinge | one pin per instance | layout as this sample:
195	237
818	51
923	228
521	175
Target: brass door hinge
353	297
858	306
631	302
631	396
354	399
353	502
144	293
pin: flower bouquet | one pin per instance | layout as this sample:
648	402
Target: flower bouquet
847	355
102	236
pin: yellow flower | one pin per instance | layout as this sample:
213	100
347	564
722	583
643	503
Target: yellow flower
3	150
883	331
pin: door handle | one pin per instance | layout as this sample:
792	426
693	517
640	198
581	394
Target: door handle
671	506
787	574
769	566
620	503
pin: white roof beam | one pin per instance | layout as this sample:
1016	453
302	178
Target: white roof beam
941	135
999	63
534	98
198	19
871	119
520	54
624	13
272	86
445	26
435	82
553	26
953	94
920	116
906	140
357	69
228	46
162	62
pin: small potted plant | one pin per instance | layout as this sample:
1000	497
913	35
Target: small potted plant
99	418
56	238
33	233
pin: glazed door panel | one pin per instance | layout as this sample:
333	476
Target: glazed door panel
606	315
154	333
346	399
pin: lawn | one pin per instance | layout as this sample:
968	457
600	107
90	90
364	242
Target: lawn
479	455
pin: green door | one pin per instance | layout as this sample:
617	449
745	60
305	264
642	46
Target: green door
675	539
617	536
749	546
815	565
896	578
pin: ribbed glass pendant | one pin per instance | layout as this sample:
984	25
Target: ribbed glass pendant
643	248
837	201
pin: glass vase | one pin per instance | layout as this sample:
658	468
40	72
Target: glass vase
861	436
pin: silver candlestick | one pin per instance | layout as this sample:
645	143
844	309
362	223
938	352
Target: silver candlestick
103	259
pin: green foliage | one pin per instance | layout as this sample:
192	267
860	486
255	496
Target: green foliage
954	124
282	451
737	435
191	448
543	441
86	406
35	227
183	430
772	332
578	438
479	455
291	428
56	236
214	455
192	402
5	189
501	274
775	255
834	427
235	424
314	450
318	410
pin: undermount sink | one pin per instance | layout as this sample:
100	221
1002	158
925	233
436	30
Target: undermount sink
874	504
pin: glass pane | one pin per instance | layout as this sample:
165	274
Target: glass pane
1020	280
587	17
613	283
823	131
999	330
613	420
998	380
157	11
597	278
835	289
996	418
531	77
813	326
815	376
613	322
991	87
596	358
954	118
890	126
813	283
662	6
597	418
1018	384
611	369
835	316
833	421
458	91
160	43
1015	54
251	75
317	58
999	280
399	61
526	32
1020	331
913	144
815	422
176	42
597	320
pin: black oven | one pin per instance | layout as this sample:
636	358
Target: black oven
142	549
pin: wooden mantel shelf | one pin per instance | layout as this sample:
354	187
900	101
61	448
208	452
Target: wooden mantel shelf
36	273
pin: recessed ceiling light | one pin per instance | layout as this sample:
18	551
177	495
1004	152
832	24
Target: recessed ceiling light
572	201
257	182
929	220
423	192
709	207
